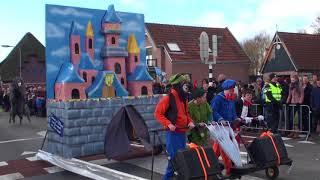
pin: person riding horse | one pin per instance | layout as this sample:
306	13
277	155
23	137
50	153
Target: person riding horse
17	100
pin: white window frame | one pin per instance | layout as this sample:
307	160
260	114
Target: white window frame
173	47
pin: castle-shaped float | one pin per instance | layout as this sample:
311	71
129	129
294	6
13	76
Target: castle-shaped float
122	73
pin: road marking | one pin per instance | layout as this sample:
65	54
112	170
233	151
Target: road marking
42	133
3	163
306	142
286	138
27	153
12	176
17	140
288	145
32	158
53	169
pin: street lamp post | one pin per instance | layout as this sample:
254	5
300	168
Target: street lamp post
7	46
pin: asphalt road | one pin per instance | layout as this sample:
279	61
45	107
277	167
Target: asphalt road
16	139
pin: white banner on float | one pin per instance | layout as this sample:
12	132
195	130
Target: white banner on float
86	169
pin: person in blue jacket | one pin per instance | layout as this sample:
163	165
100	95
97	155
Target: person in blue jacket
224	110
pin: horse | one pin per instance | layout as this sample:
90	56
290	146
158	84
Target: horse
17	100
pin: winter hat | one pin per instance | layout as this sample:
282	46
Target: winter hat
177	78
198	92
228	84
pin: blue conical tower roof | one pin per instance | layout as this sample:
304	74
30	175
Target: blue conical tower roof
73	29
111	16
86	62
68	74
140	74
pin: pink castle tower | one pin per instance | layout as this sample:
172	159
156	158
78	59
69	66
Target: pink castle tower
134	54
90	41
139	80
75	46
113	55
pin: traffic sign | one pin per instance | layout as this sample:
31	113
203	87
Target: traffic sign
204	47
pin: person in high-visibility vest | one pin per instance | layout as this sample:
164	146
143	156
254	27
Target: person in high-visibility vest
272	93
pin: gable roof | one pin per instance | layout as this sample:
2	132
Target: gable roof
95	90
187	38
29	45
304	49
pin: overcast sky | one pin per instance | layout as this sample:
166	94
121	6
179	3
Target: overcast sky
244	18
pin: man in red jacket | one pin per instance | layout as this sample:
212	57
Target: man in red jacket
172	113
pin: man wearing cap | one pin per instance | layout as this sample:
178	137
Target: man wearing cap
273	102
172	113
223	107
201	113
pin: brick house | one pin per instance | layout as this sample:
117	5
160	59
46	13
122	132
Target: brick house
292	53
33	68
175	49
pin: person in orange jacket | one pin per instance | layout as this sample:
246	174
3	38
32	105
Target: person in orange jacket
172	113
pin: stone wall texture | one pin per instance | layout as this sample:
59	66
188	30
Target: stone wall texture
86	121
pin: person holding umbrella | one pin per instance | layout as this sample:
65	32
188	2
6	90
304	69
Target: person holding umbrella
223	107
172	113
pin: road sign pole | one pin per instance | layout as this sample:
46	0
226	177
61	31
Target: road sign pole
210	73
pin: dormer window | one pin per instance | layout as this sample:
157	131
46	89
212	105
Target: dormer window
136	59
173	47
113	40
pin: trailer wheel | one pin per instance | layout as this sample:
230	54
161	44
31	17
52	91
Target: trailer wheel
272	172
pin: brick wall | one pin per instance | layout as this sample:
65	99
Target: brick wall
86	121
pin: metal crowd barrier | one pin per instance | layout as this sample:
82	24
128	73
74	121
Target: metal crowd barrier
284	118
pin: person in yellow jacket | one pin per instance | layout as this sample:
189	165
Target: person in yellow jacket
272	93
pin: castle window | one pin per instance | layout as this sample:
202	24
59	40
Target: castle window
92	79
76	48
75	94
144	90
84	75
90	43
136	59
113	40
122	81
117	68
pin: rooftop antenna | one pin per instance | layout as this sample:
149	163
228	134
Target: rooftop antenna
276	27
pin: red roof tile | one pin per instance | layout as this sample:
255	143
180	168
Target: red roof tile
187	38
303	48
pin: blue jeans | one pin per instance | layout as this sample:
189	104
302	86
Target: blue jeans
174	142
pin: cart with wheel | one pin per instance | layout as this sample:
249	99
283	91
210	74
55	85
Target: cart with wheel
264	153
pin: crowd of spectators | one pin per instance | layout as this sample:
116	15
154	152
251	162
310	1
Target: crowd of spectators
298	92
35	99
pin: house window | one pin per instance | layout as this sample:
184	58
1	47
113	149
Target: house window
84	75
76	48
174	47
117	68
92	79
144	90
113	40
75	94
122	81
136	59
90	43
